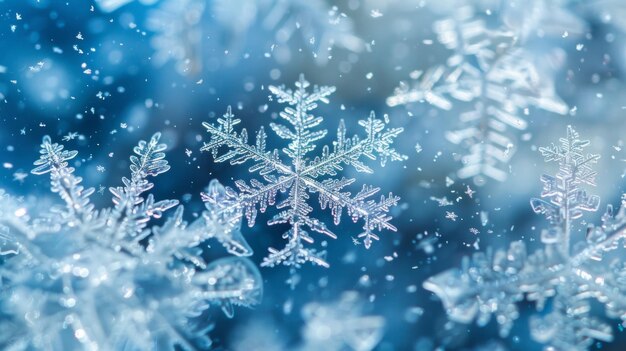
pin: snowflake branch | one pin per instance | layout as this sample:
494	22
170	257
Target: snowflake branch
53	160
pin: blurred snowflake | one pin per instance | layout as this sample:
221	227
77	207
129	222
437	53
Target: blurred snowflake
302	174
177	27
526	18
321	26
76	278
341	324
561	278
494	79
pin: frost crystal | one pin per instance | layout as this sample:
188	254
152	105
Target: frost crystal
560	278
495	78
77	278
304	175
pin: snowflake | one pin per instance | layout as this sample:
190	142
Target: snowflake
70	136
442	201
304	175
560	275
451	216
77	278
19	176
469	192
494	78
418	148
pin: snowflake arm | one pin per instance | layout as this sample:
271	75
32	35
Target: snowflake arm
149	160
294	253
302	138
54	160
567	200
225	213
131	209
239	149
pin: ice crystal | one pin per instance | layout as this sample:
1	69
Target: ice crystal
560	278
495	78
303	175
77	278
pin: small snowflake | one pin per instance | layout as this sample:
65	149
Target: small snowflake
470	192
451	216
442	201
70	136
19	176
418	148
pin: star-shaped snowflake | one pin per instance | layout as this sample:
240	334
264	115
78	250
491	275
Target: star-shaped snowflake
451	216
303	175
